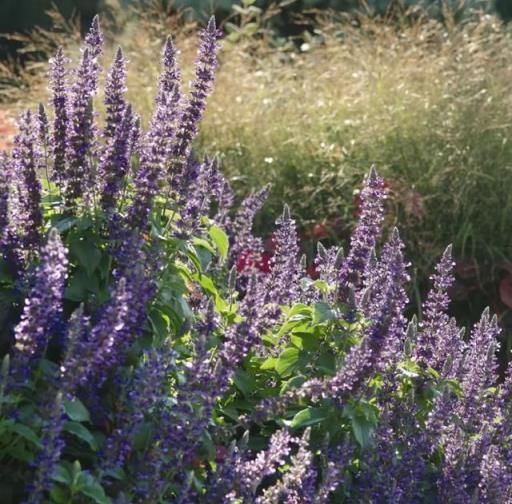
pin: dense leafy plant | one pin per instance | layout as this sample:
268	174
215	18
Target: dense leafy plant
154	353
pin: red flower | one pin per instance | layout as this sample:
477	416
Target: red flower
249	260
312	271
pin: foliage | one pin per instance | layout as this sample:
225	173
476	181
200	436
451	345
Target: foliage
153	353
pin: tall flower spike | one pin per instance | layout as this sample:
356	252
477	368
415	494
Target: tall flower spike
201	87
81	177
250	473
94	38
115	89
49	456
75	361
170	78
42	313
154	150
387	301
26	163
283	286
122	321
365	236
242	238
5	188
58	87
480	368
80	132
435	315
115	162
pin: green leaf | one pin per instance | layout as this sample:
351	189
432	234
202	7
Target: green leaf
269	363
308	416
220	239
82	433
244	382
62	475
59	495
87	254
361	429
26	433
96	492
76	410
322	313
287	361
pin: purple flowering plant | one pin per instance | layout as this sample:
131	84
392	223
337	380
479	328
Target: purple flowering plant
144	362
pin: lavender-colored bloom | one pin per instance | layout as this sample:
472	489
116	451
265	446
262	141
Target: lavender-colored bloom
242	239
240	338
26	162
298	485
435	316
147	392
119	325
49	456
5	188
206	64
496	478
365	236
115	89
282	287
58	87
43	134
42	312
80	179
480	370
327	264
154	150
75	362
250	473
196	178
387	301
115	162
94	38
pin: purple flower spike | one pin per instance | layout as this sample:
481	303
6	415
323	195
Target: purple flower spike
94	38
5	188
201	87
49	456
58	87
480	366
170	78
365	236
242	238
43	308
115	162
81	133
283	286
26	163
115	89
435	316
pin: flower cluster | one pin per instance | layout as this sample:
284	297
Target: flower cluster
154	351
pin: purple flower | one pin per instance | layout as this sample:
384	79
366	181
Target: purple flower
25	164
242	239
365	236
52	446
115	162
435	316
201	87
58	87
80	177
115	89
42	312
120	323
283	284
